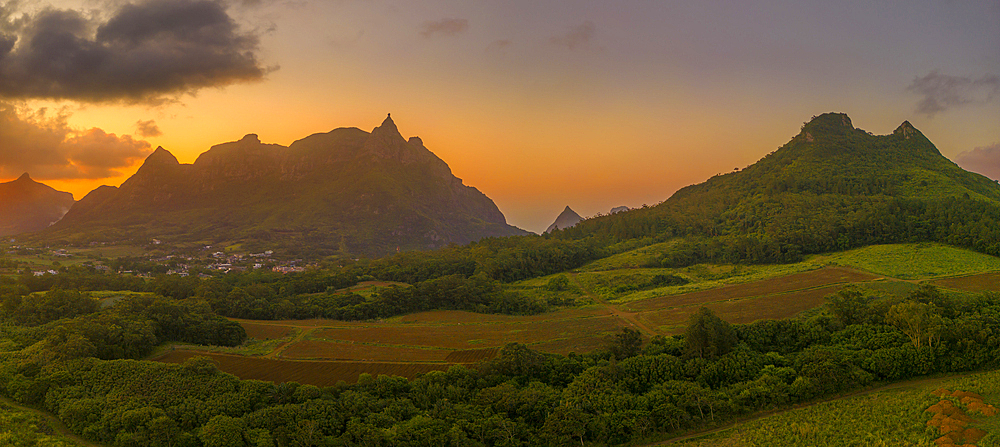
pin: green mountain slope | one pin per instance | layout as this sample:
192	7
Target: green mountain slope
346	191
26	205
831	187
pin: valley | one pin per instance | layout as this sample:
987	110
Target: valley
411	344
154	315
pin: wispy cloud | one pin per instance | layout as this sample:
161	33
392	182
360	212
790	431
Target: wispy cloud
444	27
984	160
578	37
142	52
940	92
44	145
147	129
498	46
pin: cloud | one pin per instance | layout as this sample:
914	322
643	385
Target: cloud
577	37
47	148
984	160
444	27
147	129
942	92
147	52
498	46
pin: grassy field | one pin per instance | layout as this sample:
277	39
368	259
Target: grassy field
896	417
913	261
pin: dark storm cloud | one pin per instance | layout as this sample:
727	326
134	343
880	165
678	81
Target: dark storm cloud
984	160
577	37
47	148
144	52
444	27
147	129
942	92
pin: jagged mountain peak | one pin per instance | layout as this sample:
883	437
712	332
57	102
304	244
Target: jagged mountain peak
348	190
388	131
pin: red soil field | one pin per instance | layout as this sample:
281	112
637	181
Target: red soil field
305	372
458	316
771	307
578	345
816	278
472	355
327	350
983	282
471	336
266	331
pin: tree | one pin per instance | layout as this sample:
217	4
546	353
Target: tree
627	343
850	306
707	335
917	320
223	431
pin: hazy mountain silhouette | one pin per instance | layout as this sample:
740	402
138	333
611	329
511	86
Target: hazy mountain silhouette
567	218
345	191
26	205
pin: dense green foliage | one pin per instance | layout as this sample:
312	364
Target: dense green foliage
312	294
625	393
23	429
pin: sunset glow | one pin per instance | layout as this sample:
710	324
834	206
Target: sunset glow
538	105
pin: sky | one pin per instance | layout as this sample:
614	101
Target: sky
538	104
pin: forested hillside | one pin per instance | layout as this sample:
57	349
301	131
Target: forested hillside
830	188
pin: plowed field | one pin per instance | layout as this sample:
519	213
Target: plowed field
974	283
799	281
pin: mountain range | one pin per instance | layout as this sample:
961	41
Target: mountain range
346	191
26	205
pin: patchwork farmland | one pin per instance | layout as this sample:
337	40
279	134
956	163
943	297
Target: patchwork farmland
322	352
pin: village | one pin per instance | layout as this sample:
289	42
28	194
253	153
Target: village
205	261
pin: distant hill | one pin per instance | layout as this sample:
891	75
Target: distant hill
567	218
26	205
346	191
831	187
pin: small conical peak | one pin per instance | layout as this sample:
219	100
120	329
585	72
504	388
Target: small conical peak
24	178
161	156
568	210
387	128
906	130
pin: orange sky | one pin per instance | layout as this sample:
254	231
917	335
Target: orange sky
585	104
